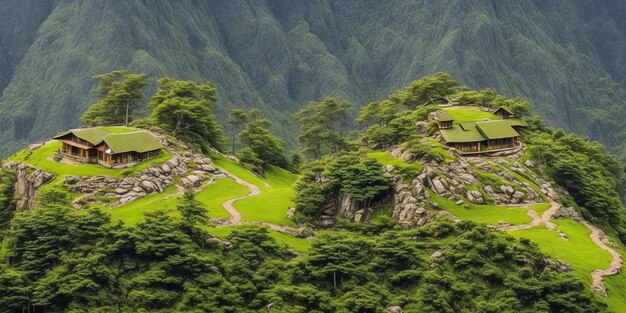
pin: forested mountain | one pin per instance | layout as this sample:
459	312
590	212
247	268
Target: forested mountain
567	57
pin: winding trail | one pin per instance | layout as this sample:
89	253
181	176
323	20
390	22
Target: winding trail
616	264
235	216
596	236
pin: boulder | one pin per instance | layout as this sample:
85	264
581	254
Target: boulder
529	163
148	186
518	195
436	255
121	191
438	186
166	169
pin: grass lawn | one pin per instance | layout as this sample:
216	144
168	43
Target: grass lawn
487	214
276	192
132	213
270	206
42	158
579	251
216	193
468	114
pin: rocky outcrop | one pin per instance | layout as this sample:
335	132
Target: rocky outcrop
568	212
409	202
151	180
28	180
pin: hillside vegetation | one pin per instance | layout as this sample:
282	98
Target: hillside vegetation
233	243
565	56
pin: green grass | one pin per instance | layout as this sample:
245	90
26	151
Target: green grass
468	114
132	213
487	214
276	192
385	158
42	158
270	206
616	290
579	251
215	194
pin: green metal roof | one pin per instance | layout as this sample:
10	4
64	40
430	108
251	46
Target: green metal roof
516	122
140	141
496	129
480	131
457	134
92	135
502	108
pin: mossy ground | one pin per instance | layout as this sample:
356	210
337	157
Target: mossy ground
468	114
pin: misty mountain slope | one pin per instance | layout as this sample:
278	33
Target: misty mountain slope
566	57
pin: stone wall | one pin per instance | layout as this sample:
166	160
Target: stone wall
151	180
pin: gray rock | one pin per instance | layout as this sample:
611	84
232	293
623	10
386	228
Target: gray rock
148	186
394	309
529	163
121	191
459	202
436	255
438	186
518	195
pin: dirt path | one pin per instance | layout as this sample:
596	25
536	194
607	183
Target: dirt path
235	218
596	236
547	215
536	219
616	264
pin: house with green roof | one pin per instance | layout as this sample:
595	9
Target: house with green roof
109	149
481	136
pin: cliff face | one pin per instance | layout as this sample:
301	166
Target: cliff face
29	179
568	57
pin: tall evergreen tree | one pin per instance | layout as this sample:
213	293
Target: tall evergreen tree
322	126
119	96
184	109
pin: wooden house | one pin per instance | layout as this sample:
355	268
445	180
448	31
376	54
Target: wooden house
503	113
97	145
482	136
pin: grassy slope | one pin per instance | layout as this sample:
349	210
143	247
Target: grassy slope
489	214
212	196
42	158
276	192
579	251
132	212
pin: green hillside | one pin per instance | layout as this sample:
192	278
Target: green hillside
567	57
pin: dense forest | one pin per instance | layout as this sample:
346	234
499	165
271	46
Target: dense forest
565	56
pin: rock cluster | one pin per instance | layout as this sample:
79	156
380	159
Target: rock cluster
29	178
408	201
568	212
151	180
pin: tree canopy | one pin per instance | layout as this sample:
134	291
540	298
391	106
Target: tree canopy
119	97
184	109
